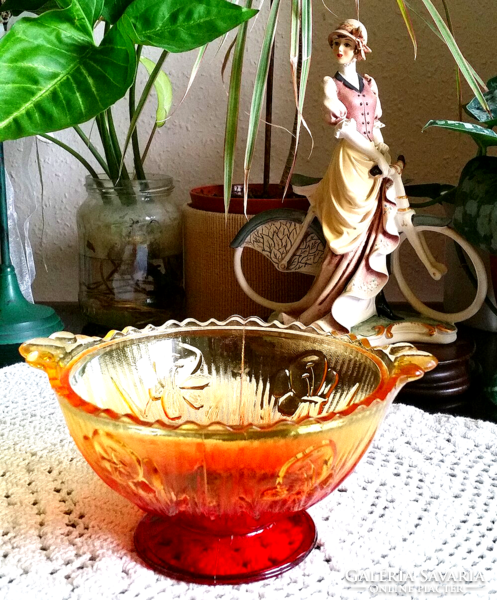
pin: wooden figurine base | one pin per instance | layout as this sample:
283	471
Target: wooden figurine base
443	388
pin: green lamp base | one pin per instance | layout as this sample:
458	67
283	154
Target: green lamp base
19	319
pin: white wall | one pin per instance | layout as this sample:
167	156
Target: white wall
189	147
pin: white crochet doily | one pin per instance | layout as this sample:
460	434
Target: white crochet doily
422	502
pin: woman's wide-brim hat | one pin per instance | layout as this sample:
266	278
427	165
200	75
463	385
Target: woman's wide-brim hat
354	30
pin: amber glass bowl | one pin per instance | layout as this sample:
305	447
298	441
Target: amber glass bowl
223	433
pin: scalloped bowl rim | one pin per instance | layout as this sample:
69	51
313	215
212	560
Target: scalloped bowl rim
380	394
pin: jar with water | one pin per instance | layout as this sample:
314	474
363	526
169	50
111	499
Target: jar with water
130	253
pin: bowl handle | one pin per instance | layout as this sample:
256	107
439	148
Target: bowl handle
406	363
52	354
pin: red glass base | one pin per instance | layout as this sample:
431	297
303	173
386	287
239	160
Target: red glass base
188	555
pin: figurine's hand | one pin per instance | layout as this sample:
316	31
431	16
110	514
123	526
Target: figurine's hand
382	164
382	147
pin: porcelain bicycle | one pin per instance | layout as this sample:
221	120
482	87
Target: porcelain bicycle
293	241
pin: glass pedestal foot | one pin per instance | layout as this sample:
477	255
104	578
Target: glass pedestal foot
202	557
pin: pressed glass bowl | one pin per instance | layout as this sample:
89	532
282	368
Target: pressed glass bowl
224	433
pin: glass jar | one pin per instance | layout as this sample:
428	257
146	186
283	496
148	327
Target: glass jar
130	253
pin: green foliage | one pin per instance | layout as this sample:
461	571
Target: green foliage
54	74
301	31
233	111
258	93
34	100
17	7
481	135
163	89
475	216
114	9
475	109
181	25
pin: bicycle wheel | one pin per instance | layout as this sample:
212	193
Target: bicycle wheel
475	260
272	233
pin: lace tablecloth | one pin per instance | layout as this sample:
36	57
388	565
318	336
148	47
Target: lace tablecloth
417	518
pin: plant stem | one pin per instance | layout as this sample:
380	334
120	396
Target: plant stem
269	124
108	144
149	143
143	98
458	72
123	172
98	157
293	141
108	149
73	152
450	196
428	202
490	124
137	160
126	198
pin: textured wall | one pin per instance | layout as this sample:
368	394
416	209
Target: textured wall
189	147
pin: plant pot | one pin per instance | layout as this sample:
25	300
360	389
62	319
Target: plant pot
210	198
130	249
212	290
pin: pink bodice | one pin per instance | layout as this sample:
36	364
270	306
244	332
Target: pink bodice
362	104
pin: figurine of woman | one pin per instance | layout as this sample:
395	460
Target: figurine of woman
351	204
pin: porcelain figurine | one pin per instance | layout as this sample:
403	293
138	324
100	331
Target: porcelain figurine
363	216
352	206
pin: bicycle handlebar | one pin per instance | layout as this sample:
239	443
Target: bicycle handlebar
375	171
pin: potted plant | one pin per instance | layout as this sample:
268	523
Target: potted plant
249	199
56	75
471	203
299	64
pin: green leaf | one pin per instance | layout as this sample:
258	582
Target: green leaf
233	111
475	109
434	30
450	42
227	57
193	74
475	216
17	7
114	9
407	20
427	190
195	68
182	25
163	89
53	74
258	93
483	137
294	44
492	84
306	16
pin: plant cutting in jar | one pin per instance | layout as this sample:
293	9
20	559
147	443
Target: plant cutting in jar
57	72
